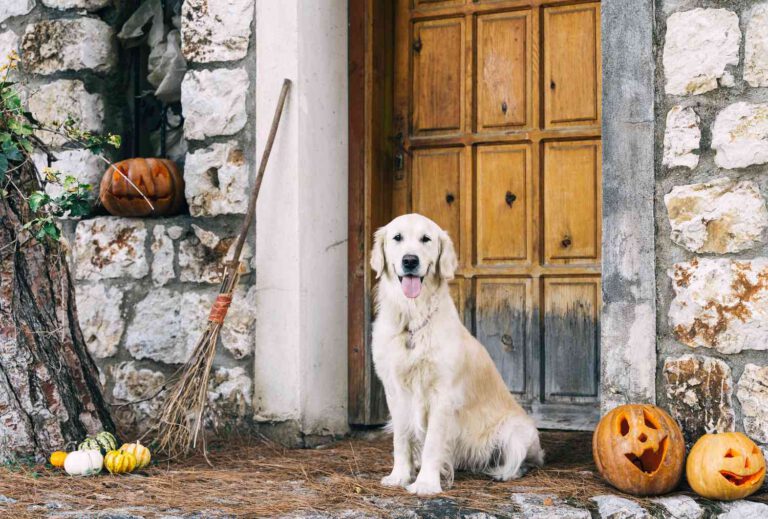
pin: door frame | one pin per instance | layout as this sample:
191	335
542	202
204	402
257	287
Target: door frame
628	315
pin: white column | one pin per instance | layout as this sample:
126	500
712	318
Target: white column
301	222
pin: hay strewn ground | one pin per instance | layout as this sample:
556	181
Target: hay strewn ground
264	480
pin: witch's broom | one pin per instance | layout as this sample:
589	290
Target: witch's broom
181	417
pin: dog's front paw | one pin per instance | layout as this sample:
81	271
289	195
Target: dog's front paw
396	479
424	488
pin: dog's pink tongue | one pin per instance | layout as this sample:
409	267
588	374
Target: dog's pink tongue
411	286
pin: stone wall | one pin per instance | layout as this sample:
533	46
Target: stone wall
711	216
144	287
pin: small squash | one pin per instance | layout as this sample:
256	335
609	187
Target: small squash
57	458
89	444
639	449
83	463
725	466
119	462
107	441
158	179
140	452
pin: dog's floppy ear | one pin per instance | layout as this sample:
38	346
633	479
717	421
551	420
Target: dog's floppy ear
378	260
447	262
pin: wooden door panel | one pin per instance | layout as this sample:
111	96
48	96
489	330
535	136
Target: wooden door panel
571	337
503	202
572	65
502	325
504	70
572	206
437	175
426	4
438	76
459	295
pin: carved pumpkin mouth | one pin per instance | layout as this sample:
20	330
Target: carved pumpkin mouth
740	480
649	461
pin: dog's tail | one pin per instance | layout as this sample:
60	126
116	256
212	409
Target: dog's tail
517	441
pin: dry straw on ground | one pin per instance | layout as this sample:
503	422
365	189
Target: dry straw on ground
262	479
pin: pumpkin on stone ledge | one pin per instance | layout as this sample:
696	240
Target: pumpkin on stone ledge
639	449
158	179
725	466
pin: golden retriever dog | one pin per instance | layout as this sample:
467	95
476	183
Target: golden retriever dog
449	405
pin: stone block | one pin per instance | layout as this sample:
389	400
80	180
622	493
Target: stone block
216	180
216	30
130	384
107	248
101	321
202	256
54	102
167	325
700	44
720	304
8	42
11	8
752	392
88	5
756	47
229	396
214	102
162	256
699	393
681	138
740	135
76	44
721	216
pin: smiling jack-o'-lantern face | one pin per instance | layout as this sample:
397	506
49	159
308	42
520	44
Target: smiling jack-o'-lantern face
725	466
639	449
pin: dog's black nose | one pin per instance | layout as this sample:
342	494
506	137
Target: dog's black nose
410	262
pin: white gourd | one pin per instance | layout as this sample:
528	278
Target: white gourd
83	463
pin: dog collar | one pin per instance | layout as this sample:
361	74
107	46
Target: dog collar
409	344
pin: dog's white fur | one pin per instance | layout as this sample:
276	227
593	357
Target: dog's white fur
450	407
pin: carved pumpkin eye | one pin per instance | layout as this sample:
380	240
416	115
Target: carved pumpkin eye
649	422
624	426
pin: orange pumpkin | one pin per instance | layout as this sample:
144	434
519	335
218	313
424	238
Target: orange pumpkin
57	458
725	466
639	449
158	179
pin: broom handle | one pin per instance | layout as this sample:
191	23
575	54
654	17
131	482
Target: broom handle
251	213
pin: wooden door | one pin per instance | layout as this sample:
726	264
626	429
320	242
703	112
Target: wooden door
497	138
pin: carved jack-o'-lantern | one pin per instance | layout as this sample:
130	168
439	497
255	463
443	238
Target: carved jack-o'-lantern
158	179
725	466
639	449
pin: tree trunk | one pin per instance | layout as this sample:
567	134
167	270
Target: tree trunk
50	397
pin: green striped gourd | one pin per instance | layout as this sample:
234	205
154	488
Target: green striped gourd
107	441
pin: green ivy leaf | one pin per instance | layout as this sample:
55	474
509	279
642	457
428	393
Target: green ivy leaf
51	230
37	200
11	151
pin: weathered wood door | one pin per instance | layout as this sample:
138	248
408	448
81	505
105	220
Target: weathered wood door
496	127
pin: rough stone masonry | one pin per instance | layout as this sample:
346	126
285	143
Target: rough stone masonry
711	216
144	287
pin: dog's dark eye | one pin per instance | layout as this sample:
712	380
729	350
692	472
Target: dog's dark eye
425	239
398	237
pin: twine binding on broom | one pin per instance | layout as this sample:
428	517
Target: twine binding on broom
181	418
220	308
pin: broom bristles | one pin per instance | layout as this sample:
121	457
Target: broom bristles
182	414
